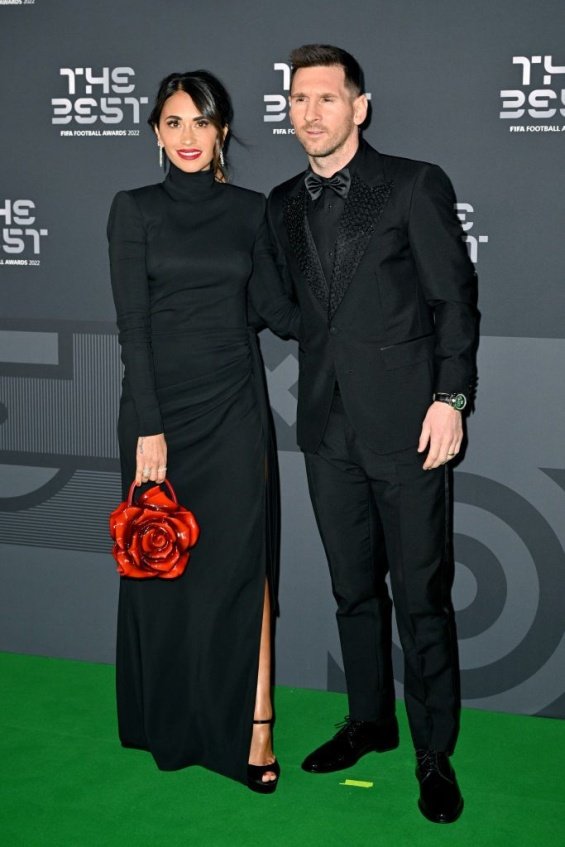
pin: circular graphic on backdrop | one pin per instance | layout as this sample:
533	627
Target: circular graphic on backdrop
530	639
483	567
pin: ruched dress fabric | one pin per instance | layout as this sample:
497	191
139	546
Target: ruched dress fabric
186	255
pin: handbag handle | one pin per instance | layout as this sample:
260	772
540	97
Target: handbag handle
165	482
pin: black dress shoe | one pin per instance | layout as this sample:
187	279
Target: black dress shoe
440	798
352	741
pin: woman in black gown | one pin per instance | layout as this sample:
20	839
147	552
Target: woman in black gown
186	255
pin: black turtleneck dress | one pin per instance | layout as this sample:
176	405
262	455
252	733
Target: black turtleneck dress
186	255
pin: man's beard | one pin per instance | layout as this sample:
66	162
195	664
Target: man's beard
332	145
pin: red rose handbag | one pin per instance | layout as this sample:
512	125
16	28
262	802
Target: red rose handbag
153	536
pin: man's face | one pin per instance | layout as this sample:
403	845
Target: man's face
324	112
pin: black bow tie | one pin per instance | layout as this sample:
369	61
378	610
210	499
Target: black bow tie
339	183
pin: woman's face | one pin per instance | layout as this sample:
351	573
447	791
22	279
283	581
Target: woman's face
188	138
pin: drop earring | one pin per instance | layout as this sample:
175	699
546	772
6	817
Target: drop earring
222	160
160	155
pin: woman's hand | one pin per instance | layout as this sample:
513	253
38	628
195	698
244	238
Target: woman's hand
151	459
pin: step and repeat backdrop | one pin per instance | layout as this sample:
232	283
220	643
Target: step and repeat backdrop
479	88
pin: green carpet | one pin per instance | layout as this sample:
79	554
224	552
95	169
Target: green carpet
67	782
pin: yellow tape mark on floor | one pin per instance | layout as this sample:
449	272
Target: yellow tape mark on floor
357	783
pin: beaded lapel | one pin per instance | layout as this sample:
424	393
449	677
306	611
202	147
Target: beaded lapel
304	249
363	208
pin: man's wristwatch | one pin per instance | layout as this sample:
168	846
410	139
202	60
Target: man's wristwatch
456	401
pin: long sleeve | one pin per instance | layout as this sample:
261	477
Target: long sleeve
267	296
127	248
448	278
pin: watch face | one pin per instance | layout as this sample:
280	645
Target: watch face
459	402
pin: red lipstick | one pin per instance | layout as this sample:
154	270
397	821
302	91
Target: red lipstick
189	154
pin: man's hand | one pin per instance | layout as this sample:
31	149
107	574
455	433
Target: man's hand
442	432
151	459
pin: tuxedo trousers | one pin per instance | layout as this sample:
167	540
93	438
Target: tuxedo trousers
379	515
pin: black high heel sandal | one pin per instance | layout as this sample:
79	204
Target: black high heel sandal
255	773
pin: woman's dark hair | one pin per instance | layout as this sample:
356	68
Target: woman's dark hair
314	55
210	98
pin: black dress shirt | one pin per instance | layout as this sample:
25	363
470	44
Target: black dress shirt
324	214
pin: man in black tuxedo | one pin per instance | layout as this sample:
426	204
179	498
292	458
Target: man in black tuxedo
372	248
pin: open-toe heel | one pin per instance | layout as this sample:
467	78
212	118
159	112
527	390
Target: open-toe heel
255	773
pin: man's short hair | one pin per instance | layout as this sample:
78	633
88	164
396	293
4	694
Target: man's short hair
314	55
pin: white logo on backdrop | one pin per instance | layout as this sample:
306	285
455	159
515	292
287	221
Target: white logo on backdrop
98	98
20	242
541	96
276	105
464	210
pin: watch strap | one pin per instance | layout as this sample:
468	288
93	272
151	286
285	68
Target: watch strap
456	401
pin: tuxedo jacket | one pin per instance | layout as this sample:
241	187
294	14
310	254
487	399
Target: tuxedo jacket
398	320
